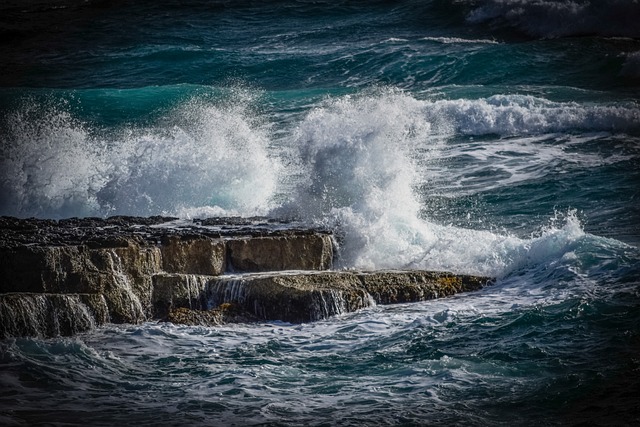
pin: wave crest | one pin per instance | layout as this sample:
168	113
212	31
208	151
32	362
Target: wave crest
524	114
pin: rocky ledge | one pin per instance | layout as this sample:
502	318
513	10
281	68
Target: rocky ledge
68	276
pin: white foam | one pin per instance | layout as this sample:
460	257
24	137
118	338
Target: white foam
515	160
458	40
211	157
356	153
48	166
524	114
395	40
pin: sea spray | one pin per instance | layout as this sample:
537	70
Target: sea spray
558	18
356	154
360	155
200	156
49	164
215	155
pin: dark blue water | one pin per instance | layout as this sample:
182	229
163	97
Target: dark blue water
490	137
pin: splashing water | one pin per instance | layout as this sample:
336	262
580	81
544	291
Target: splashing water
201	157
361	158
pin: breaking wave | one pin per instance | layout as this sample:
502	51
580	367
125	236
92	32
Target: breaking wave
362	158
357	163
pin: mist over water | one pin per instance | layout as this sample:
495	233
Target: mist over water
491	137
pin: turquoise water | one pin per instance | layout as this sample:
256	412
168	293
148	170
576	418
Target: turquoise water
488	137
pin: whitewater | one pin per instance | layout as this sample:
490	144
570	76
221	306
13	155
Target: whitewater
497	137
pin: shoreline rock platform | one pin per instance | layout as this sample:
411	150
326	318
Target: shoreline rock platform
62	277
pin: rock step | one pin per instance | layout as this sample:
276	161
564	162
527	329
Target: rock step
123	274
303	296
67	276
290	296
82	269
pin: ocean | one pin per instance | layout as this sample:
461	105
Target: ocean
492	137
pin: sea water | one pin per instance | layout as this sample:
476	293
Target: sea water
487	137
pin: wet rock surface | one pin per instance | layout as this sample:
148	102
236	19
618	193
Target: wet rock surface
118	231
305	296
68	276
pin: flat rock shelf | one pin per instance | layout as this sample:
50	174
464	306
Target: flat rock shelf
69	276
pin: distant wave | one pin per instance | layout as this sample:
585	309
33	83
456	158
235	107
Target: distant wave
524	115
561	18
454	40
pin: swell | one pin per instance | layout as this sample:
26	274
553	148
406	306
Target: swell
413	45
555	18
